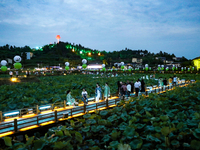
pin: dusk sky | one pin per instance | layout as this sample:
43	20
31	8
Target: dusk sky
171	26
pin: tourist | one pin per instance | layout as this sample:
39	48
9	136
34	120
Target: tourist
11	74
160	82
128	89
123	89
174	80
132	86
118	87
84	96
70	100
137	86
170	81
142	86
98	92
165	82
106	91
17	73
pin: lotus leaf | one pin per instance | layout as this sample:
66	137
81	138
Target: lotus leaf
129	132
86	129
124	147
153	139
90	142
115	135
114	144
164	118
104	113
136	144
87	116
39	144
8	141
62	145
106	138
165	131
59	133
91	121
195	144
78	137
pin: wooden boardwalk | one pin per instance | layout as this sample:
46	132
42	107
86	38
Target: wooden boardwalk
52	114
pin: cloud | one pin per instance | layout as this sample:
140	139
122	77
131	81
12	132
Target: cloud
102	24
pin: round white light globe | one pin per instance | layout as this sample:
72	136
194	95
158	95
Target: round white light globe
3	62
146	65
103	65
17	58
66	63
84	61
122	63
129	67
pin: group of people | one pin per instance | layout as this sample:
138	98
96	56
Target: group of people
98	95
126	88
165	82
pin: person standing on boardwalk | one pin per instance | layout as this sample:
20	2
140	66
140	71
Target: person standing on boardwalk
84	96
11	74
70	100
106	91
143	86
124	89
165	82
97	92
128	89
137	86
132	86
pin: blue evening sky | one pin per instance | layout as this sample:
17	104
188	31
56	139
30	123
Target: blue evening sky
172	26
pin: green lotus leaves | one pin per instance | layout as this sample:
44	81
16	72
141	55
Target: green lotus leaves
104	113
91	121
87	116
115	135
164	118
114	144
85	129
59	133
129	132
8	141
78	137
124	147
195	144
136	143
165	131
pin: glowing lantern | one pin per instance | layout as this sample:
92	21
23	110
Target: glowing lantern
122	65
181	68
3	62
66	63
17	58
17	65
146	67
84	66
158	67
162	66
167	68
67	68
99	54
58	38
3	68
173	68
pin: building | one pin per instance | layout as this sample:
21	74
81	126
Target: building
137	60
163	59
196	62
177	58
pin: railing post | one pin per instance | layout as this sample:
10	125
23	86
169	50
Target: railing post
37	110
37	120
1	116
106	103
52	106
56	116
64	105
20	113
84	108
15	125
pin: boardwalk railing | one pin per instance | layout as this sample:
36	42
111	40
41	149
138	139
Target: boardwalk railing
29	118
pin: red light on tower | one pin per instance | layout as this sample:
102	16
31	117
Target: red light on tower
58	38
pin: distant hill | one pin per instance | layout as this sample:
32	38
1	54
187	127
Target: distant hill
55	54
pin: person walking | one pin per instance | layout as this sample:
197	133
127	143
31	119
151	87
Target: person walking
124	89
11	74
137	86
70	100
174	80
17	73
165	82
97	92
132	86
106	91
84	96
128	89
143	86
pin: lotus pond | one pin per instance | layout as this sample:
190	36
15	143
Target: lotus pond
167	121
53	88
